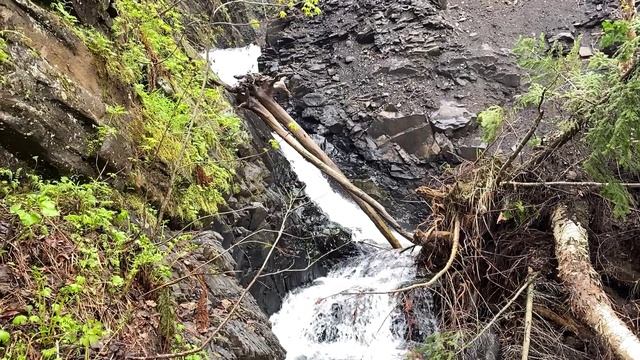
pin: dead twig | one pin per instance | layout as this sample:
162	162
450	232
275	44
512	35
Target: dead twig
528	321
433	280
499	314
236	305
568	183
526	138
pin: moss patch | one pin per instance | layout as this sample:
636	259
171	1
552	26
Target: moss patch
78	264
185	123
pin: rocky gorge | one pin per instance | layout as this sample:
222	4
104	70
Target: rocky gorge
390	90
54	99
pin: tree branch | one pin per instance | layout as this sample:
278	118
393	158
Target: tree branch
454	251
236	305
568	183
526	138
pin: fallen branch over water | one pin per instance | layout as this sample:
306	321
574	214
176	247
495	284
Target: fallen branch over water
454	251
270	120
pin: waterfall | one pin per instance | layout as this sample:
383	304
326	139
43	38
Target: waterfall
325	320
316	322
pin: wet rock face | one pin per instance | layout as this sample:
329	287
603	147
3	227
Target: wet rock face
248	338
306	249
48	110
375	80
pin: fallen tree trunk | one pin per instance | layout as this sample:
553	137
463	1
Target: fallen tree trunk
588	299
255	106
265	97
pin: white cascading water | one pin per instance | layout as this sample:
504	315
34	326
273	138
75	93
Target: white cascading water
317	322
324	320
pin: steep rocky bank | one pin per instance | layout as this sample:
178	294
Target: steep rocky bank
391	90
54	105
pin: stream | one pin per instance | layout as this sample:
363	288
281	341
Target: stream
317	321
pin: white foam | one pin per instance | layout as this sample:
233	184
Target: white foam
338	208
229	63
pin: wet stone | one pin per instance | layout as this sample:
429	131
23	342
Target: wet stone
451	116
313	100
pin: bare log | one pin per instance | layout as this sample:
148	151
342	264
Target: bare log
588	299
356	192
265	97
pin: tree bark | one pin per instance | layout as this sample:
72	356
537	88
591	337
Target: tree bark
353	190
588	299
265	97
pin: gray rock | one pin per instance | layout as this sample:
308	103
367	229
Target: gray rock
445	145
507	78
313	100
331	117
412	133
585	52
451	116
470	149
349	59
563	37
399	68
393	123
258	215
366	36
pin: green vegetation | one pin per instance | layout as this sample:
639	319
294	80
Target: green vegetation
83	255
309	8
599	94
187	125
490	121
4	54
439	346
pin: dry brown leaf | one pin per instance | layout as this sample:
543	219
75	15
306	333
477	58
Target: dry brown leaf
202	310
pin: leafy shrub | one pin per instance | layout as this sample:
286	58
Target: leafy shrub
103	249
188	126
595	94
490	121
439	346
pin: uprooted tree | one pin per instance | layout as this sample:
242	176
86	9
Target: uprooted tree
496	197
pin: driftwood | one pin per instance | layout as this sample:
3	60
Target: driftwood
257	95
255	106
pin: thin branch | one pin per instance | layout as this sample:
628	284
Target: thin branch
528	321
569	183
194	271
236	305
497	316
433	280
526	138
290	268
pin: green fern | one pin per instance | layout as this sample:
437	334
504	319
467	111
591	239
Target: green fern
490	121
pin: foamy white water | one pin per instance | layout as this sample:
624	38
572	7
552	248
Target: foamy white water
338	208
229	63
314	322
